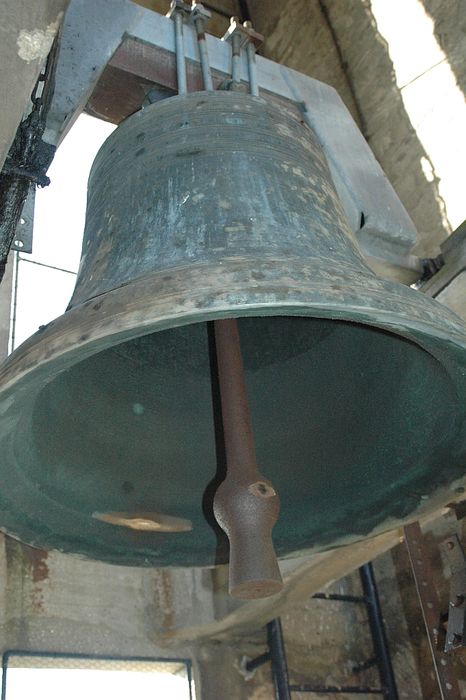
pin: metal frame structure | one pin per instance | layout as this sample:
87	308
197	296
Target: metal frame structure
456	623
276	652
430	607
447	285
113	52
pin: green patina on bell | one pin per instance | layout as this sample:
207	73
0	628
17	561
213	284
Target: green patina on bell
208	206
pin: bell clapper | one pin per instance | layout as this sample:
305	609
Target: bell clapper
246	505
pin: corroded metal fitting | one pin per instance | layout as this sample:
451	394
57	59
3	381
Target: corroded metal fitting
178	7
199	12
244	31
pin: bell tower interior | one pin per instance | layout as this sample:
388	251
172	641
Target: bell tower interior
244	398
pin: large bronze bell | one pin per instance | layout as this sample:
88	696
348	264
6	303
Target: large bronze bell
212	206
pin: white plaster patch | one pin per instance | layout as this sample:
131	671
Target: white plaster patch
35	44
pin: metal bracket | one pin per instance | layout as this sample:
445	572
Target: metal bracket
459	509
453	257
430	606
277	656
244	31
178	6
199	12
113	51
22	241
456	558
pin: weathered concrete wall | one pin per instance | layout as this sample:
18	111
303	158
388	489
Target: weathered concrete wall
27	30
389	129
103	604
297	35
449	20
53	602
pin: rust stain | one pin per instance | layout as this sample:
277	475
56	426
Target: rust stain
37	561
164	599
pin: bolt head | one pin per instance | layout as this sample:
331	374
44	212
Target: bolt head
178	6
198	11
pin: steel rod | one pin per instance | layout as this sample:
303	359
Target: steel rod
246	505
377	628
349	689
204	54
236	58
278	658
180	58
14	310
251	54
258	661
340	597
49	267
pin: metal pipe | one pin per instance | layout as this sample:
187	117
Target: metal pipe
278	658
341	597
246	505
257	662
180	59
14	310
347	689
203	53
379	637
253	84
236	58
430	606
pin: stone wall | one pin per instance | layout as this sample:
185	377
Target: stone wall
27	31
337	41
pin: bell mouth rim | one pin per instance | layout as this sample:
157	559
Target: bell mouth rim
244	287
28	376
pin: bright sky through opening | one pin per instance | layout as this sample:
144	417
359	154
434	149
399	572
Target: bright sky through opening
433	101
91	684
